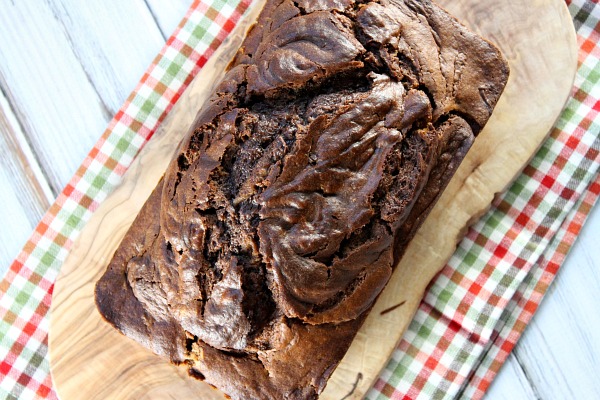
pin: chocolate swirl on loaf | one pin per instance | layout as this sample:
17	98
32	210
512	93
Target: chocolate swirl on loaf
262	249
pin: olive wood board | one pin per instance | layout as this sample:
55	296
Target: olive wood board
91	360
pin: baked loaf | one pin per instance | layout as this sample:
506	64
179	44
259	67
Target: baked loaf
259	254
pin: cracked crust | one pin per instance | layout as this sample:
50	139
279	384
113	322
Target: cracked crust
259	254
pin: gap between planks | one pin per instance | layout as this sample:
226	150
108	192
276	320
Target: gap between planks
25	193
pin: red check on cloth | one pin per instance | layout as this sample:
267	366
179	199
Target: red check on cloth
474	311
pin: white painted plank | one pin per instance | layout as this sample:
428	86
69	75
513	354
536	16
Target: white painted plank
168	14
58	107
66	67
23	162
114	40
18	228
24	194
511	383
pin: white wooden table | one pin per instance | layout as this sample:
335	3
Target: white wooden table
66	66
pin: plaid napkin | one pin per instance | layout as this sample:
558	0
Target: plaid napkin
473	313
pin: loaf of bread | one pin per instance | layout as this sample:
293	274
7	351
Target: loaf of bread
262	249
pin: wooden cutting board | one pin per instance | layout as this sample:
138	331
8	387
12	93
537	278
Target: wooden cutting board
90	360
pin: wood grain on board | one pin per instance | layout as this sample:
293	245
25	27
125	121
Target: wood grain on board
538	39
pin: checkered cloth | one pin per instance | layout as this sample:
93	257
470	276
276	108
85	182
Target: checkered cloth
473	313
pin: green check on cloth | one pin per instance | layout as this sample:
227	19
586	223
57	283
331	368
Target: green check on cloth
473	313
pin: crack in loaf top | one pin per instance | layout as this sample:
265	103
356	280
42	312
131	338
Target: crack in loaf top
317	158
